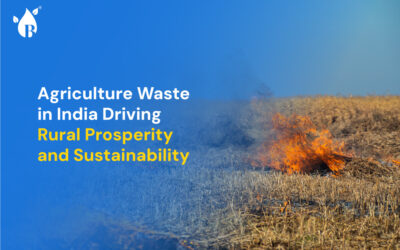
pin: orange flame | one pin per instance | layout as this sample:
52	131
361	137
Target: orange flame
300	147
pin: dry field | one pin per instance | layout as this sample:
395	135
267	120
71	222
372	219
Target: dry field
221	201
358	209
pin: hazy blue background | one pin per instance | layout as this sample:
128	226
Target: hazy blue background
215	49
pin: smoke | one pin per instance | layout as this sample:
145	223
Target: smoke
239	79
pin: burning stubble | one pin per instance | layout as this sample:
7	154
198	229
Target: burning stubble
299	147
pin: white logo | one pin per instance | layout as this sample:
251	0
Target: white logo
27	25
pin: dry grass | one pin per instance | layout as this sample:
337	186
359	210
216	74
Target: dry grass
232	209
370	126
218	201
321	212
359	209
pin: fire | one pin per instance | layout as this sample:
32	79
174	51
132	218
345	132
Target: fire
299	147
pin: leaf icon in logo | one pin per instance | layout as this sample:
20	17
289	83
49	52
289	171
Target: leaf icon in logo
35	11
15	19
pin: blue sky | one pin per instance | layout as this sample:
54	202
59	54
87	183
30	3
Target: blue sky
217	49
